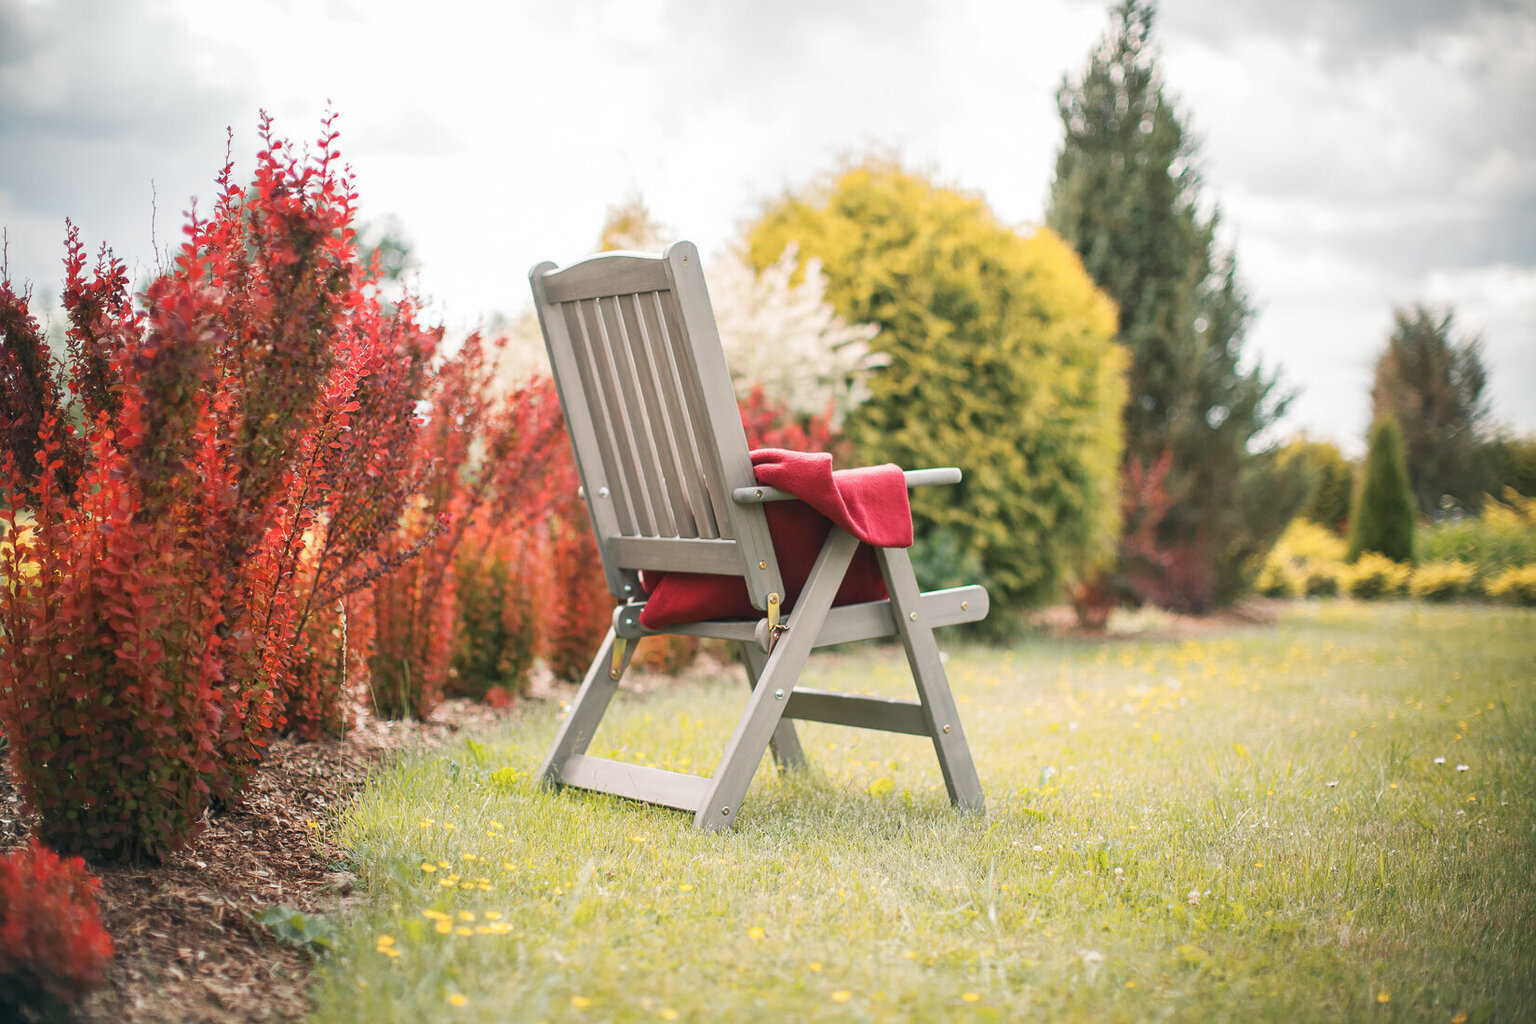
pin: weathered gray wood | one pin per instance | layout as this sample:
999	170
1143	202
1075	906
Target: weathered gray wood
686	442
683	554
578	416
606	274
678	515
876	619
635	782
785	743
586	711
642	417
609	489
727	464
624	424
886	714
766	706
943	718
754	494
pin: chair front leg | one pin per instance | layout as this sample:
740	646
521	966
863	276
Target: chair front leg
766	707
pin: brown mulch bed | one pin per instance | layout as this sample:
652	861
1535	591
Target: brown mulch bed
187	948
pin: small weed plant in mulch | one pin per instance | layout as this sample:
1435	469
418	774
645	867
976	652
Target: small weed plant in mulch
1327	819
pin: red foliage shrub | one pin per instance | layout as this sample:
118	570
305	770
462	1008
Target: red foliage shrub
236	461
53	948
1140	572
771	425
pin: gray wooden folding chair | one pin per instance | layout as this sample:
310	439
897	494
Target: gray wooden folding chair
669	486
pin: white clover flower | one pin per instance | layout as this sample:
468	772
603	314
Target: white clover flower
1439	760
1463	767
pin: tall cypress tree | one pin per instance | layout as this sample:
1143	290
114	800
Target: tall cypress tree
1383	520
1127	197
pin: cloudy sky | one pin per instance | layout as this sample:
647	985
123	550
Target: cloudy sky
1365	153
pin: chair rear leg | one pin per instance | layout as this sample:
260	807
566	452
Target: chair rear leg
587	709
939	709
787	753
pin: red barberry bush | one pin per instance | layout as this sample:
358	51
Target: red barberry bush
207	476
53	948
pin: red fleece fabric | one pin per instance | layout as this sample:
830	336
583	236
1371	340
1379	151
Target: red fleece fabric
870	503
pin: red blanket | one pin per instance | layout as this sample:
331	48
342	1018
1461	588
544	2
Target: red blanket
870	503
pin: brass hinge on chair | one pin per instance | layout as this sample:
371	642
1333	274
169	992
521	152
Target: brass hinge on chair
775	630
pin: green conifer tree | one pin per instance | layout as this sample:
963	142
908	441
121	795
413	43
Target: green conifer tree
1384	506
1127	197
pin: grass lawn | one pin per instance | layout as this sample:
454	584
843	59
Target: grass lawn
1327	819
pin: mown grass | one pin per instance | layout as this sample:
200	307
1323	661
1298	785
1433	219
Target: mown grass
1241	826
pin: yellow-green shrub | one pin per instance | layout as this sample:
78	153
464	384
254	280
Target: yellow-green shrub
1515	585
1441	581
1002	361
1309	556
1374	576
1277	579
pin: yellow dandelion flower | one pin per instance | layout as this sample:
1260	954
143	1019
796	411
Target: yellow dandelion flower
842	995
457	999
970	997
1383	997
428	868
425	823
493	915
449	826
463	931
667	1013
685	887
500	928
466	915
755	932
466	885
444	926
580	1002
386	940
445	865
814	966
1460	1018
390	951
434	915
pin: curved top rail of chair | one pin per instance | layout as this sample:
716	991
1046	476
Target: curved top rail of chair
612	273
915	478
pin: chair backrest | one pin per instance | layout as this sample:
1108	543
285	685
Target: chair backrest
653	419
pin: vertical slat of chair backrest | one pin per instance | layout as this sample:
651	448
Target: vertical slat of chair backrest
689	443
660	400
611	383
642	416
608	440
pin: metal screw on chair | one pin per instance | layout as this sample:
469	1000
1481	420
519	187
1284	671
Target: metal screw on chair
913	616
762	565
725	810
602	492
778	694
946	728
964	605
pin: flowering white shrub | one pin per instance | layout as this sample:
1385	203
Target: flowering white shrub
783	334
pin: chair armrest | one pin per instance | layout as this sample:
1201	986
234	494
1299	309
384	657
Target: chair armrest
915	478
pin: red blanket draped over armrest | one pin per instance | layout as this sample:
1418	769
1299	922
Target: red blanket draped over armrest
870	503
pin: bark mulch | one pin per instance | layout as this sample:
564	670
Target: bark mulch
187	947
